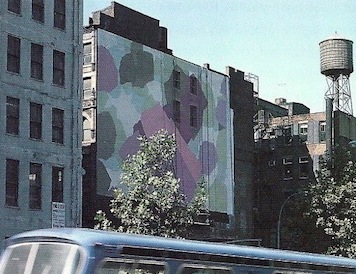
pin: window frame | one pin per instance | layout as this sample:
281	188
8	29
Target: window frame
12	182
59	14
176	107
193	84
36	114
12	115
14	6
36	61
58	68
287	168
176	79
13	61
57	184
38	11
57	125
87	54
303	164
35	186
193	116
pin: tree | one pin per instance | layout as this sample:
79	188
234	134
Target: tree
151	201
333	202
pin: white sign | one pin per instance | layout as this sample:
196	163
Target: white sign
58	214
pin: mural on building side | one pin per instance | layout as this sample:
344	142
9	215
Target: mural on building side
140	91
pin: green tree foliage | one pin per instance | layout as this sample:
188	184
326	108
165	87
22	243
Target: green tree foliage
151	201
333	202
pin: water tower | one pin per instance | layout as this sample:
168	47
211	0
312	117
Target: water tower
337	65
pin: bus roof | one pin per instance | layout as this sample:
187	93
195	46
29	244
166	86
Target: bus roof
91	237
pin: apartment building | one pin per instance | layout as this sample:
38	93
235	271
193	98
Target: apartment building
40	113
289	143
134	85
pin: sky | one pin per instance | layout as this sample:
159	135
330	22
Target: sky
277	40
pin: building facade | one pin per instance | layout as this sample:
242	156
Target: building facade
289	146
134	85
40	112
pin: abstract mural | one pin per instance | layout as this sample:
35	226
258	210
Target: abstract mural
141	90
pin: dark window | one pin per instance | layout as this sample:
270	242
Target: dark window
57	184
303	167
176	79
87	54
35	186
57	125
193	84
59	14
14	6
322	132
287	133
193	116
38	10
288	168
201	269
13	54
58	67
12	115
37	61
176	111
12	182
36	121
117	266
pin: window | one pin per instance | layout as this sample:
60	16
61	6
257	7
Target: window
87	54
303	132
58	67
193	84
205	269
288	168
12	115
35	186
176	111
59	14
13	54
272	163
57	125
322	131
35	121
193	116
12	182
87	93
38	10
57	184
117	266
287	133
303	167
87	132
14	6
37	61
176	79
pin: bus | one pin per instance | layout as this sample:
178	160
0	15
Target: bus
83	251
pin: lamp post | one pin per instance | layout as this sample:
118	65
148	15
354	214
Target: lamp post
280	217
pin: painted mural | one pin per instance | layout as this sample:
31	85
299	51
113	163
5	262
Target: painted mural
140	91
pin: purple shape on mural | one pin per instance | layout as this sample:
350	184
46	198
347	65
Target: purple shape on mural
130	146
188	167
221	113
107	71
208	156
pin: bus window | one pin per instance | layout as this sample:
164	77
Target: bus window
41	258
201	269
109	266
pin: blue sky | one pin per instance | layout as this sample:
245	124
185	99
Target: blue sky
277	40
